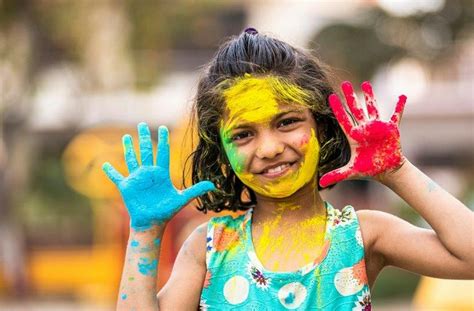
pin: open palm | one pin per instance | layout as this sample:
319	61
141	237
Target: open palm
148	193
375	143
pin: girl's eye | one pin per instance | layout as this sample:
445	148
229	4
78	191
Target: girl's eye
289	121
240	136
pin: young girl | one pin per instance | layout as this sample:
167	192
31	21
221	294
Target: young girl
272	134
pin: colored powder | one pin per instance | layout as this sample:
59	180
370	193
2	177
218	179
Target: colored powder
370	100
351	99
431	185
288	184
157	242
124	296
255	100
306	236
131	278
236	160
134	243
147	267
379	148
378	142
340	113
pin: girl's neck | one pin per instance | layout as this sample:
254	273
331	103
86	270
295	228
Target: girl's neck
303	204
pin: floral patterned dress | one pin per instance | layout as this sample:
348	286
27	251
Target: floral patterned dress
236	280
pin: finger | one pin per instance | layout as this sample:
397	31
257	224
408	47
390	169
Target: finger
334	176
163	157
352	102
129	152
397	115
370	101
146	147
112	173
340	113
198	189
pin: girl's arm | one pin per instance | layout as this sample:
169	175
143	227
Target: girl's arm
151	201
183	289
446	251
138	283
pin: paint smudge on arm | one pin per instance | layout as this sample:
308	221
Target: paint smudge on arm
124	296
431	185
147	267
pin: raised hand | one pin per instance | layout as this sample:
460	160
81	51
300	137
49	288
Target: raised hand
375	144
148	193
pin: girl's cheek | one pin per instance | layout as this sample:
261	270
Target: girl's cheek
236	158
309	146
303	142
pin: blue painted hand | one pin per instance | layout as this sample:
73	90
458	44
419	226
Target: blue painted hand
148	193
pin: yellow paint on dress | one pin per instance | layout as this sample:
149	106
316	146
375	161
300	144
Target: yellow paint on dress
286	242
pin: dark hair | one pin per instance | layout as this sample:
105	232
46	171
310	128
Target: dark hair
257	54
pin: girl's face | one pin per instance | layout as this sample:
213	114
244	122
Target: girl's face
271	146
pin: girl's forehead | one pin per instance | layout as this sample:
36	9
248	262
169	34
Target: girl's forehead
257	99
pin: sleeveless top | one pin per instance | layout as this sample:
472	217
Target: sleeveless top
236	280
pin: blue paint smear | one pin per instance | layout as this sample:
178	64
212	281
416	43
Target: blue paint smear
134	243
157	242
124	296
147	267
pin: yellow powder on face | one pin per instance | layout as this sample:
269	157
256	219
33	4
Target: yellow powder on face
255	100
288	184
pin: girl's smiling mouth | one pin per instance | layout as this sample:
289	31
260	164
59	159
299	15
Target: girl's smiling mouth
277	170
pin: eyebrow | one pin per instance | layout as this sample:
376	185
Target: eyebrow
277	116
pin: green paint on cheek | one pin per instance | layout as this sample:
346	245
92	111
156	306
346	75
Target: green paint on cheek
236	160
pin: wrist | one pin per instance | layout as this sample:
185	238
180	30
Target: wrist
388	177
152	230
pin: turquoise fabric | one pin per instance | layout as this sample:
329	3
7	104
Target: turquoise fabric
236	280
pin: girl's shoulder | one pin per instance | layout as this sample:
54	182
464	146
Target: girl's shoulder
196	242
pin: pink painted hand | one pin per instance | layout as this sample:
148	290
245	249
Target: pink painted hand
375	144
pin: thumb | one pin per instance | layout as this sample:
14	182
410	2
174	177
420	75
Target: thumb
198	189
334	176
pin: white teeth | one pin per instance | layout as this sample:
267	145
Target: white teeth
277	169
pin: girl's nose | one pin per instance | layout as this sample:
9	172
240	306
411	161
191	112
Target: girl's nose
269	148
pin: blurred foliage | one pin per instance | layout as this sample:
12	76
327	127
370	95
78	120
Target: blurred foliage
160	26
52	206
154	28
376	38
